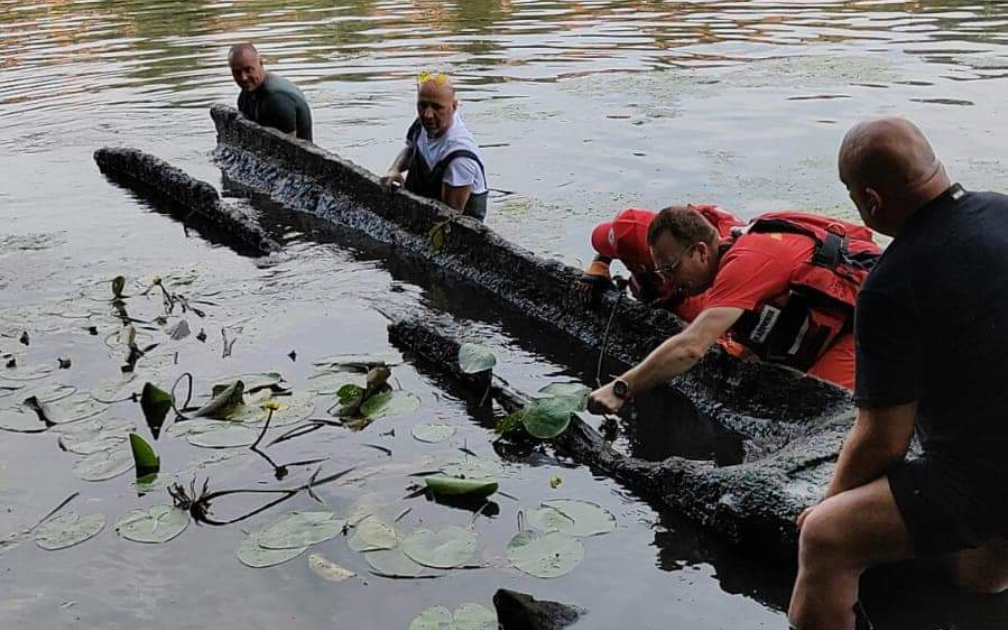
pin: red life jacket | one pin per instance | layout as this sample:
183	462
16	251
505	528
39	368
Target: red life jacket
796	328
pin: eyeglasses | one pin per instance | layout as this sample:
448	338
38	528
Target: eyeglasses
669	269
439	78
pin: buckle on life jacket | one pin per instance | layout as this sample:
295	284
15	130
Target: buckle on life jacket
831	251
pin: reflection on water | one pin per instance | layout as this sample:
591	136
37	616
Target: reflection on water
582	108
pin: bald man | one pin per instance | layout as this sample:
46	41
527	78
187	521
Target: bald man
440	159
931	335
266	98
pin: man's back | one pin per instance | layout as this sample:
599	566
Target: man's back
933	323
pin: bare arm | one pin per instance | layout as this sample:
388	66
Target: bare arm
393	179
456	196
673	357
880	440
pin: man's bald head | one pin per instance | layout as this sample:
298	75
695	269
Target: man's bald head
436	104
890	170
246	66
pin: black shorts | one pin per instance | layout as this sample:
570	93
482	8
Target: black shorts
951	503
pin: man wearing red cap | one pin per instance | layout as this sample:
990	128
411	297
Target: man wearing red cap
625	239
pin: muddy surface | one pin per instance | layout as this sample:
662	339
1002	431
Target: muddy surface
582	108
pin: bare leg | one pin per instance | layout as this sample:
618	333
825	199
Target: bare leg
983	570
841	538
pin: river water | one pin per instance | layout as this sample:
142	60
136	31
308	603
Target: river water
582	108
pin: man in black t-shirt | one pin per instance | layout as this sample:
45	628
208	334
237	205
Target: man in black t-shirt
931	337
268	99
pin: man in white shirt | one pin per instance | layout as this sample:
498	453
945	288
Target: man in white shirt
440	159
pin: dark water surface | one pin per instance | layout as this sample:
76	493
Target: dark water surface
582	108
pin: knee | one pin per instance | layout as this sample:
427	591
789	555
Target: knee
981	580
821	542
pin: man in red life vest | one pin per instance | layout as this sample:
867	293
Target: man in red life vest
625	239
785	288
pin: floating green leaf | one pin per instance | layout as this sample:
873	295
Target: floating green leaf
575	394
433	618
443	486
357	362
224	401
572	517
432	432
76	407
252	554
510	422
158	524
253	382
328	570
389	405
219	434
301	529
544	556
145	459
104	464
294	408
155	404
474	468
21	420
443	549
471	616
68	530
546	418
371	535
474	358
394	563
116	389
30	373
330	383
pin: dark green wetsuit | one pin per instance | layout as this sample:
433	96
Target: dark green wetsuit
278	103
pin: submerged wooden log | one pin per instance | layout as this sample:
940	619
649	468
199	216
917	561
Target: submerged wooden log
301	176
752	504
195	202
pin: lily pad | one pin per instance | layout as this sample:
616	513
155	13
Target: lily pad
443	549
68	530
329	383
394	563
474	468
51	392
27	373
226	399
98	435
572	517
328	570
105	465
372	535
546	418
470	616
252	554
301	529
544	556
433	618
254	382
219	434
433	433
293	409
76	407
575	393
117	389
159	524
443	486
389	405
357	362
474	358
21	420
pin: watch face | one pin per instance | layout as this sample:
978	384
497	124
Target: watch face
621	389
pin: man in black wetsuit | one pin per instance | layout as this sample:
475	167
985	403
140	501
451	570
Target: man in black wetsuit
441	159
931	337
266	98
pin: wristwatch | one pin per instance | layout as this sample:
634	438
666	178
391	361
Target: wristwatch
621	389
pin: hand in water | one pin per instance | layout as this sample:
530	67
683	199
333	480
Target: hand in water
392	182
604	400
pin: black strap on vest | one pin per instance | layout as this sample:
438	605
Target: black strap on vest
427	182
